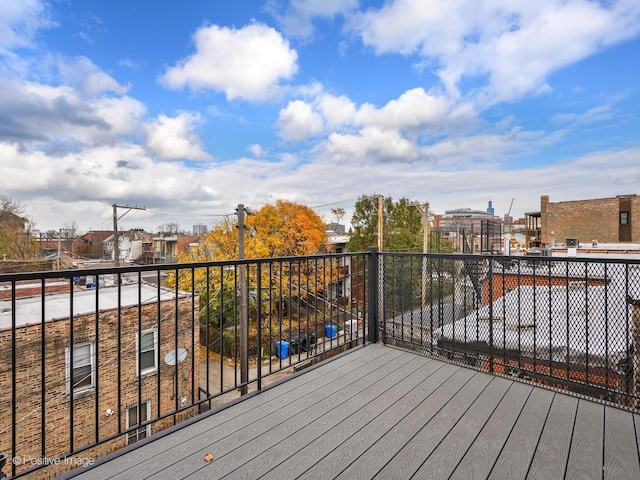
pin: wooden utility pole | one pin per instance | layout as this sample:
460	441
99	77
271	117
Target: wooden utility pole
424	209
244	305
116	243
380	223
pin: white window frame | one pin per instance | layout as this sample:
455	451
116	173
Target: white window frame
69	367
133	436
155	352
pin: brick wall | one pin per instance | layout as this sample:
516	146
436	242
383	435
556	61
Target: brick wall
500	284
112	361
588	220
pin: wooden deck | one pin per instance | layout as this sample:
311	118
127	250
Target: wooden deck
379	412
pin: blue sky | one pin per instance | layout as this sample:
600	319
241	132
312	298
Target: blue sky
190	108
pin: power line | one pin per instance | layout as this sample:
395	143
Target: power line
336	203
187	214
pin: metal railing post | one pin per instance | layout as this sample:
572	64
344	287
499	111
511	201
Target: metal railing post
372	294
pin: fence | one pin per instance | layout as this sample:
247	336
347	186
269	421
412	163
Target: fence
569	323
98	359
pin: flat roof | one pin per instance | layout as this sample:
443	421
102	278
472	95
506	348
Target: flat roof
57	306
554	323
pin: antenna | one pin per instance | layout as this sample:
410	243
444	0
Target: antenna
175	357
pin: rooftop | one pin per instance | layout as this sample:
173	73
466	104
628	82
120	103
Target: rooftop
84	303
380	412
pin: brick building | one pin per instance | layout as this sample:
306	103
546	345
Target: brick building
607	220
140	328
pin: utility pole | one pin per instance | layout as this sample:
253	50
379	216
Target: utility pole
244	302
116	245
424	209
380	220
59	235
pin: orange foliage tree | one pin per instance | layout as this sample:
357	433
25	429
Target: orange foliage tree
285	229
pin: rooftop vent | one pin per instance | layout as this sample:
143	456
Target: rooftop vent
571	242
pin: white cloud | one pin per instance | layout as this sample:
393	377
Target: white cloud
511	48
175	139
394	131
89	80
64	113
372	143
298	121
419	112
248	63
20	21
337	111
593	115
297	18
256	149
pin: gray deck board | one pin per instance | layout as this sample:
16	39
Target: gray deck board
379	412
171	448
246	444
620	446
523	439
442	462
585	455
481	456
357	442
298	453
414	453
376	457
246	435
550	460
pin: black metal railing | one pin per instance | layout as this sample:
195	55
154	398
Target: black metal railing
98	359
569	323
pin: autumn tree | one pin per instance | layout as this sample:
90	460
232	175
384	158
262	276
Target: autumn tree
285	229
16	232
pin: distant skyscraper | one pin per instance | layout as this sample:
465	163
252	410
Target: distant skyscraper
490	208
200	229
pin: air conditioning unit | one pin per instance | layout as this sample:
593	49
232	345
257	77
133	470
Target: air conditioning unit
572	242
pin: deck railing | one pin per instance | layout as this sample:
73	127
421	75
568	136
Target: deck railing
97	359
569	323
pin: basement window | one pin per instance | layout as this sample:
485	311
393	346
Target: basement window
135	416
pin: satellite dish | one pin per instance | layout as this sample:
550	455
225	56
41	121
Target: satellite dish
174	357
520	238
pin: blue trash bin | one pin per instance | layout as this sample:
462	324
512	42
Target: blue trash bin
330	331
282	349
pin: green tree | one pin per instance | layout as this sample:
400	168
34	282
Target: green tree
401	230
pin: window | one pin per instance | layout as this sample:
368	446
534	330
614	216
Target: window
136	416
148	353
624	218
81	374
